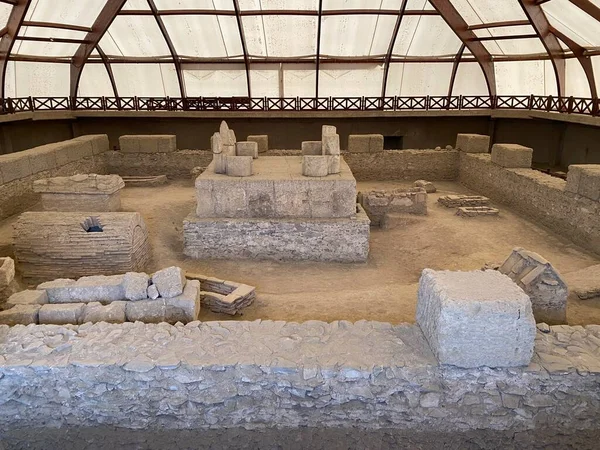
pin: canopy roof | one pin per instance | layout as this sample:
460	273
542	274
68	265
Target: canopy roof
299	48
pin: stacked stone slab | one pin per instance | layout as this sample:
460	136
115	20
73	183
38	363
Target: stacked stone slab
584	180
154	143
81	192
365	143
145	181
379	203
542	283
47	243
472	143
512	156
476	211
473	319
222	296
230	157
328	161
455	201
262	140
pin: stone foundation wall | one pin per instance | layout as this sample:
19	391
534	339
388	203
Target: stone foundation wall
212	375
174	165
536	195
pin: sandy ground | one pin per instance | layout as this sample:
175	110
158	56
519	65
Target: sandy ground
385	287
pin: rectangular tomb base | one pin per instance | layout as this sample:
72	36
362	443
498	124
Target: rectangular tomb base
340	239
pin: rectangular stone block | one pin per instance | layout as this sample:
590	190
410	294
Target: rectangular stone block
315	166
170	282
72	151
28	297
147	311
262	140
312	148
61	314
43	158
15	166
473	319
99	142
365	143
185	307
20	315
99	288
239	166
512	156
331	144
473	143
246	148
155	143
584	179
96	312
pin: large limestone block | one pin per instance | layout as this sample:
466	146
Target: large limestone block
512	156
170	281
98	142
312	148
262	140
334	164
61	314
88	183
7	271
584	179
246	148
216	144
185	307
20	315
365	143
42	158
135	285
97	288
473	143
28	297
473	319
541	282
155	143
315	166
96	312
239	166
331	144
15	166
147	311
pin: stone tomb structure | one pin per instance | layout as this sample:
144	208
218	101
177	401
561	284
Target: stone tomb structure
79	244
322	158
230	157
81	192
276	213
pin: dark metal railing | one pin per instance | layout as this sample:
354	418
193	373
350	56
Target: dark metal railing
567	105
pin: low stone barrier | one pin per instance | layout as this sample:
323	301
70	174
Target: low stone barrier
152	143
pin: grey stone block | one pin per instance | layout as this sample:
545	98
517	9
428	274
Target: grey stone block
155	143
216	144
20	315
584	179
365	143
512	156
185	307
98	288
331	144
473	319
147	311
98	142
15	166
96	312
315	166
473	143
28	297
262	140
312	148
219	163
43	158
61	314
153	292
170	281
135	285
239	166
327	130
333	164
7	271
246	148
226	136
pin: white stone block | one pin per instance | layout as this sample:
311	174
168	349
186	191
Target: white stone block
246	148
315	166
473	319
239	166
512	156
331	144
185	307
170	281
135	285
96	312
333	164
216	143
473	143
147	311
61	314
312	148
97	288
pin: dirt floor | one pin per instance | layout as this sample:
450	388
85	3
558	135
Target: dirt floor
384	288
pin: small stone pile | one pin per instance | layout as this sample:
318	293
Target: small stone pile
166	296
456	201
221	296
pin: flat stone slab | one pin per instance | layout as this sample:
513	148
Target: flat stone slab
477	211
90	184
277	189
473	319
98	288
455	201
145	181
340	239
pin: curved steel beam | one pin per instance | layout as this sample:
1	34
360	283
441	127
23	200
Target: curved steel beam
238	17
587	6
318	62
172	50
539	22
469	39
455	69
388	56
108	67
13	25
99	28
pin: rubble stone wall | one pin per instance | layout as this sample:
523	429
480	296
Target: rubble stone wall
213	375
177	164
536	195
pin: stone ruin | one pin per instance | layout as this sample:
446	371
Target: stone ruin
230	157
456	201
427	185
322	158
541	282
477	211
165	296
79	244
81	192
379	203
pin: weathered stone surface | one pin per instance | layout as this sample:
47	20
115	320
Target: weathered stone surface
473	319
153	292
455	201
185	307
477	211
331	144
473	143
14	166
7	271
61	314
239	166
584	179
315	166
541	282
80	184
378	203
147	311
512	155
219	163
96	312
135	285
156	143
146	181
334	164
312	148
246	148
216	143
225	134
222	296
262	140
28	297
427	185
20	315
170	281
97	288
365	143
585	283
